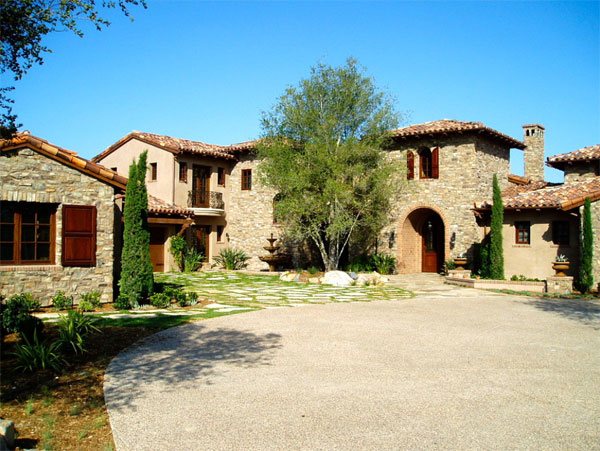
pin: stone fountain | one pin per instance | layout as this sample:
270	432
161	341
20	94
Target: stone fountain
274	258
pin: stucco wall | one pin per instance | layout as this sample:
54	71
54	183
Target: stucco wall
466	168
534	260
250	214
167	170
30	177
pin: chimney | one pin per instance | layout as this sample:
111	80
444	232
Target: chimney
534	152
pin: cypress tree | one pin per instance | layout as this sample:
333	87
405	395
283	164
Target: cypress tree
586	276
496	252
136	283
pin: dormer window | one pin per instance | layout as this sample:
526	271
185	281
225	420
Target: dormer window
428	163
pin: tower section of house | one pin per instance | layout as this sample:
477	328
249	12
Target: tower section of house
449	167
533	137
59	224
206	192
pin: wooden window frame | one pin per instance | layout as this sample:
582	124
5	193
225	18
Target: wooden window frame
153	172
79	238
429	163
561	233
17	241
221	176
246	179
522	226
183	171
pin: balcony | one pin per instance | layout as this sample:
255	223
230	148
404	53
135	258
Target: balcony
206	203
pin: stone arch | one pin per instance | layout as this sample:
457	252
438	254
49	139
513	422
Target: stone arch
411	233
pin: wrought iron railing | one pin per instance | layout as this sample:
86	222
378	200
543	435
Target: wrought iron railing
205	199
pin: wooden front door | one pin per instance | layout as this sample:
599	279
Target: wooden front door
432	236
201	186
157	248
203	240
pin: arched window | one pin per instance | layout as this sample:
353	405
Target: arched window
410	165
429	163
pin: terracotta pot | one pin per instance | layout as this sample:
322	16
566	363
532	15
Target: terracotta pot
560	268
460	263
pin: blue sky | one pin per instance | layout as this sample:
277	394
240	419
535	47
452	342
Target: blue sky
206	70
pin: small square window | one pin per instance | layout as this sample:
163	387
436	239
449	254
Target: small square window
114	169
220	233
221	176
522	232
560	232
246	179
153	171
183	170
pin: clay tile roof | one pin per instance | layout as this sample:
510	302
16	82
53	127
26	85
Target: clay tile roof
159	206
450	126
586	154
64	156
180	145
564	196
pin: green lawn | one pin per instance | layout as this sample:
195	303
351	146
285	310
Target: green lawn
259	291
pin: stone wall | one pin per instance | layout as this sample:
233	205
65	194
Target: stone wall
466	168
249	213
575	172
26	176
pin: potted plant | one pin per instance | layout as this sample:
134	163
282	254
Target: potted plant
460	261
560	265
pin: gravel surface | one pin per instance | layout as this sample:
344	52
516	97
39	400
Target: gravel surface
452	369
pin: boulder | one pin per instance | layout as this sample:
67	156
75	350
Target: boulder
373	279
7	434
337	278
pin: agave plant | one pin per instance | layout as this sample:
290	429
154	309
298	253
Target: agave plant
37	355
232	258
73	329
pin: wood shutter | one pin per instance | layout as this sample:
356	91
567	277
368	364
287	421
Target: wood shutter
79	235
410	163
435	163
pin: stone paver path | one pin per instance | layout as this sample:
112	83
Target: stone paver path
452	368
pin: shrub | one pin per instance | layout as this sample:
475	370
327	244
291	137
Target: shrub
35	355
586	275
361	264
30	327
449	265
160	300
73	328
232	259
17	310
192	298
178	249
85	306
192	260
122	303
383	263
93	298
61	301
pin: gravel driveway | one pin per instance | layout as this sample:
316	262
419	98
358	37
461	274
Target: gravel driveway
451	371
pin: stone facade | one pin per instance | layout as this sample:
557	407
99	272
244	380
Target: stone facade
250	213
466	168
26	176
534	153
577	171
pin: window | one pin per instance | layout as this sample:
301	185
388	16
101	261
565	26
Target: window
522	232
79	235
560	232
26	233
153	171
183	170
220	229
246	179
410	165
114	169
429	163
221	176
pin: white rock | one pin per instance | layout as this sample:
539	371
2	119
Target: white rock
337	278
7	433
289	277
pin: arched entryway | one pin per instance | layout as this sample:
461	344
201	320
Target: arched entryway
423	242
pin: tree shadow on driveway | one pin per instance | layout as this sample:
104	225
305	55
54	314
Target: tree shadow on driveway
583	311
182	355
